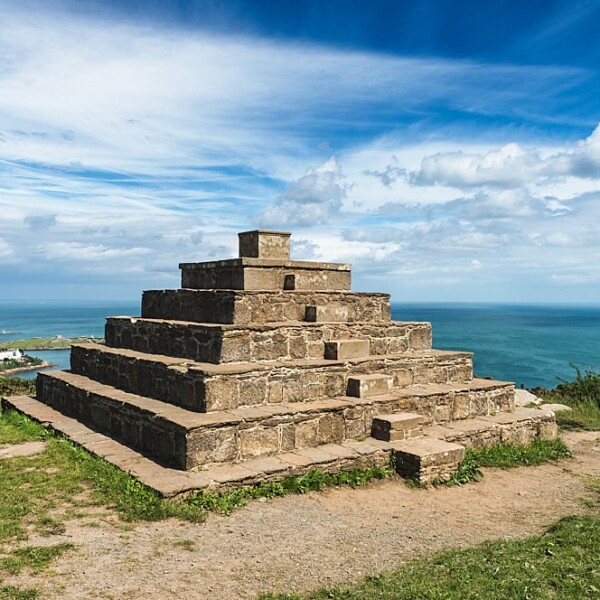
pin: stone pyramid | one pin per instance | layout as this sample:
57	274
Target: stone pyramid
261	367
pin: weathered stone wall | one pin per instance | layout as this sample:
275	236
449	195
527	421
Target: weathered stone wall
302	383
246	307
216	388
227	436
265	278
226	343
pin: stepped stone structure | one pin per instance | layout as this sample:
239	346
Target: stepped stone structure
261	367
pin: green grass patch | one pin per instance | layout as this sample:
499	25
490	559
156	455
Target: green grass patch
11	592
16	428
16	386
562	563
508	456
582	394
312	481
66	475
35	558
582	416
505	456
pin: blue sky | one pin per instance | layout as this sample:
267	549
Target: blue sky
449	150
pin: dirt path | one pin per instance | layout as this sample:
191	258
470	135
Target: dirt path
301	542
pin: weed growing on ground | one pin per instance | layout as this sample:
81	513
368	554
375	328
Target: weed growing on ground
312	481
35	558
16	386
11	592
469	470
16	428
561	563
582	395
505	456
585	416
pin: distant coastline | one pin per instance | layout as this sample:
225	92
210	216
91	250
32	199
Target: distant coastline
41	343
27	369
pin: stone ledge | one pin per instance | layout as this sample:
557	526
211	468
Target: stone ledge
171	483
247	261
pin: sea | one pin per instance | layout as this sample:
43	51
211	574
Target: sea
532	345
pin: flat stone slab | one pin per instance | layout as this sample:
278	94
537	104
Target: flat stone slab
20	450
555	407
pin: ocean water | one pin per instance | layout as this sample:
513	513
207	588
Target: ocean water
530	345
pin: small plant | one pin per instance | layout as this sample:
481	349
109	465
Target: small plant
469	470
503	456
582	395
585	388
312	481
16	386
36	558
506	456
11	592
189	545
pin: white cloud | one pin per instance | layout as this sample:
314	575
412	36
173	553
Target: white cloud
510	166
311	200
128	148
77	252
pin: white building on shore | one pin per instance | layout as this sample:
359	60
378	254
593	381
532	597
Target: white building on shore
11	355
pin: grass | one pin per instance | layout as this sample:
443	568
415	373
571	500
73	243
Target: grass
507	456
561	563
10	592
584	416
45	343
15	386
66	475
35	558
582	394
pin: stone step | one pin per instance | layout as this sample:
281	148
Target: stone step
184	439
207	387
243	307
327	458
248	273
427	459
398	426
214	343
452	402
522	426
171	483
365	386
344	349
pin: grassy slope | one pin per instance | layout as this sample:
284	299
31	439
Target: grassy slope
562	563
43	343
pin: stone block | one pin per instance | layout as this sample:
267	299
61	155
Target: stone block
365	386
307	433
345	349
427	459
264	244
397	426
258	441
329	313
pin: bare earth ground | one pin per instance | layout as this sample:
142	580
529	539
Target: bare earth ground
301	542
